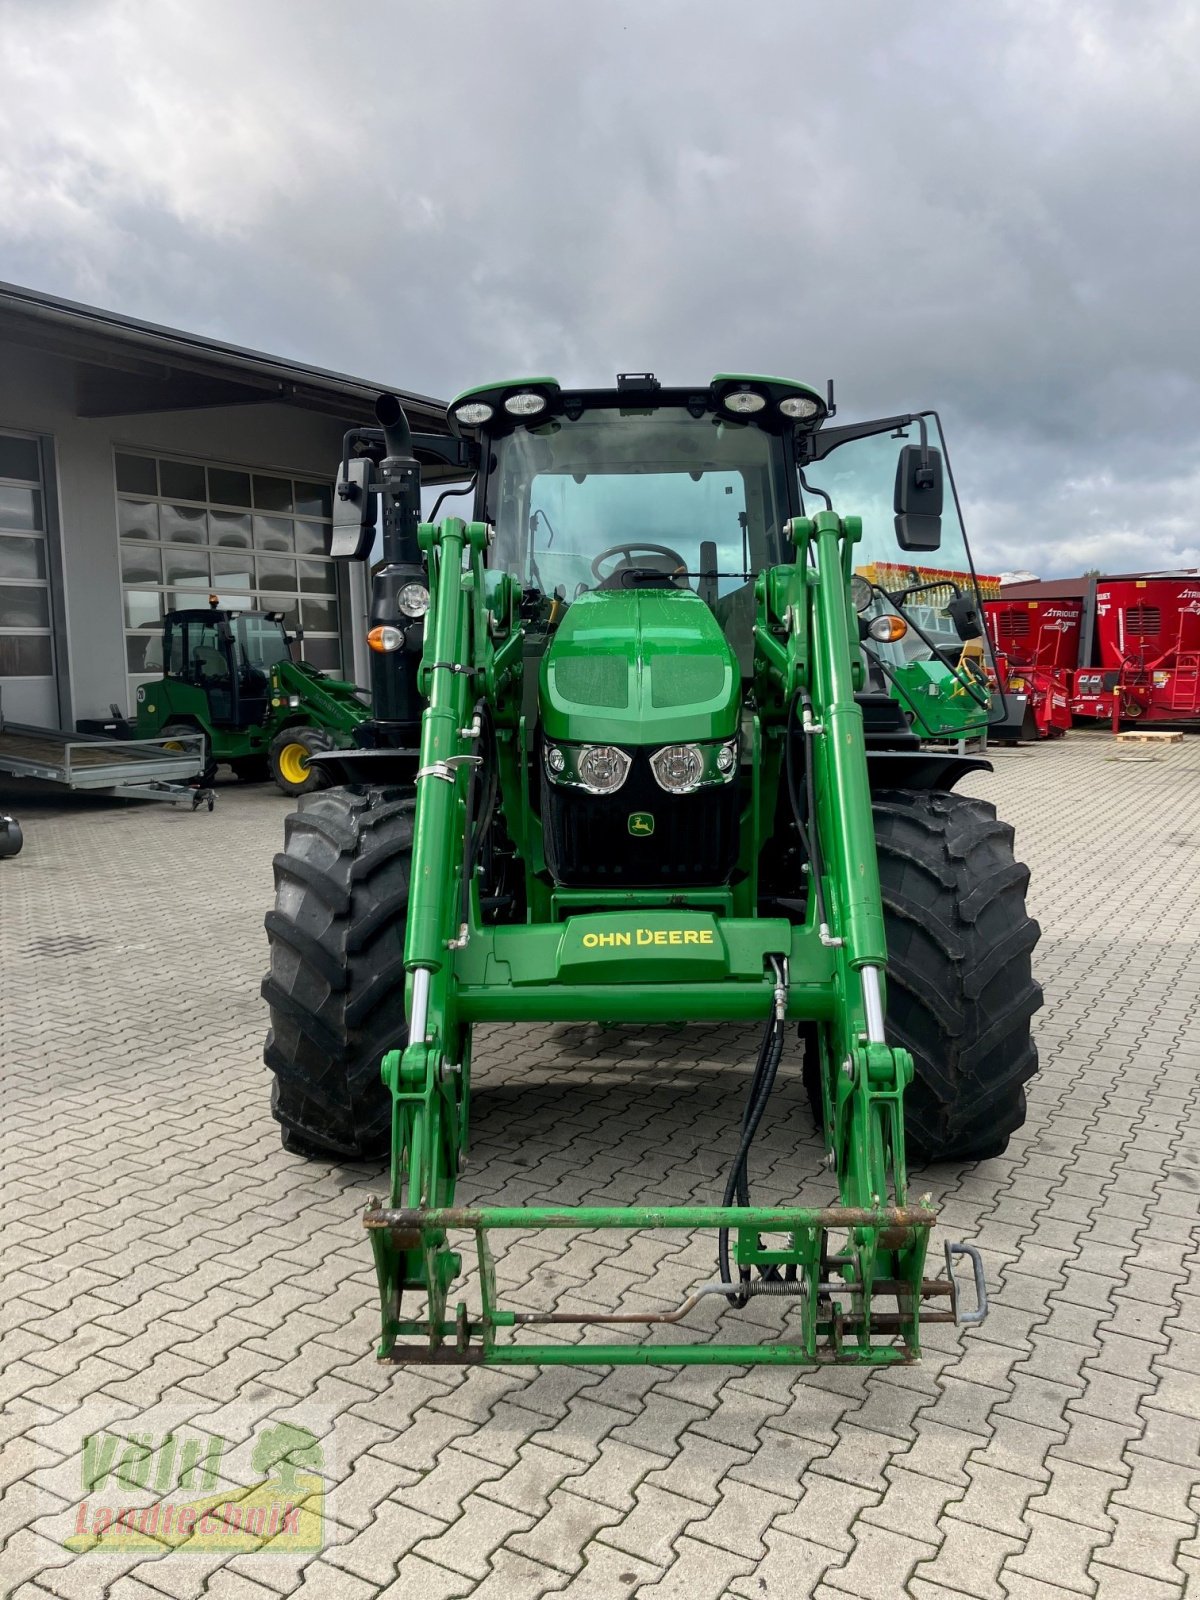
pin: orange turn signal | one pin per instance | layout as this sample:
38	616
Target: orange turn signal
385	639
886	630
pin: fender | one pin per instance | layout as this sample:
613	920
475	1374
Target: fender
371	767
920	769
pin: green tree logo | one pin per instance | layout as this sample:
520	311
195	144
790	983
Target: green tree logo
284	1450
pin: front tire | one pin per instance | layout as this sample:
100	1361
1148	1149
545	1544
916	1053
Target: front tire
961	992
335	985
289	760
960	989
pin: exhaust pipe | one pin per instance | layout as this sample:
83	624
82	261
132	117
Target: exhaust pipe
396	703
397	435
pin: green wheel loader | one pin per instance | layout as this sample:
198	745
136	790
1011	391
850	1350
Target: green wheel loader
647	748
230	675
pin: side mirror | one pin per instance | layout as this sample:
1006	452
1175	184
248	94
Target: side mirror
964	614
918	501
353	511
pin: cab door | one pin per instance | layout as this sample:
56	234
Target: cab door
207	662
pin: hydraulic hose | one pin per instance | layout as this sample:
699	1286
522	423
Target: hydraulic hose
476	829
805	814
737	1185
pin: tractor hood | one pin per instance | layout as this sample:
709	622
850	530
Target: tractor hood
639	667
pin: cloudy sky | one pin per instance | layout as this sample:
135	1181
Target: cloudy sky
987	206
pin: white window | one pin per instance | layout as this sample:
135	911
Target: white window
256	540
26	646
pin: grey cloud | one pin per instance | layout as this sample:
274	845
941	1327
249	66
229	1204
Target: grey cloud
987	209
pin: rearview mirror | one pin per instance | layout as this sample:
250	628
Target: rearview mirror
964	614
918	501
353	511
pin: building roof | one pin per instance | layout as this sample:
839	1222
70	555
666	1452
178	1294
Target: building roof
1070	588
124	365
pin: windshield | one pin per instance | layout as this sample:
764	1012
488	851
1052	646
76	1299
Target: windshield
261	642
859	477
707	490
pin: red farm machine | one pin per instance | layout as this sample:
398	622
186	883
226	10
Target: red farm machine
1145	659
1036	643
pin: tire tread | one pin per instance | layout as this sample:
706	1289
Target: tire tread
335	987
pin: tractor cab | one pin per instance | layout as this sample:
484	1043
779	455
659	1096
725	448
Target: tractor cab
228	656
599	497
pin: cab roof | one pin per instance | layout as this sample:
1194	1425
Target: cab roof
638	392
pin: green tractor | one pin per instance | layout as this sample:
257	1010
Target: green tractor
652	752
230	675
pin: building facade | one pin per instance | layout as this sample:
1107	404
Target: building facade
142	469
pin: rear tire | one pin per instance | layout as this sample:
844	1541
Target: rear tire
288	759
960	987
176	730
335	985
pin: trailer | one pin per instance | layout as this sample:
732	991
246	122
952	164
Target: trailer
127	769
1037	643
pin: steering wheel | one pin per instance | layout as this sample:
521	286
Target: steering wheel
627	550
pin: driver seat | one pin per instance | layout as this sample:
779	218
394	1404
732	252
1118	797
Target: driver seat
210	665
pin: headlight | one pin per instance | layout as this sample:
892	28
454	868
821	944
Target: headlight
293	701
683	768
602	768
743	402
525	404
678	768
413	600
861	593
799	407
473	413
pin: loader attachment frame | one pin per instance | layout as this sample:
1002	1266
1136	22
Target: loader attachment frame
855	1271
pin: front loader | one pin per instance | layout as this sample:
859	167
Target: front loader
644	750
231	676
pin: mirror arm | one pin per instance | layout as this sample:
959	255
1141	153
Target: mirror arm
816	446
924	474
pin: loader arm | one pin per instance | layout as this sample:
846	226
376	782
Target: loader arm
333	703
855	1270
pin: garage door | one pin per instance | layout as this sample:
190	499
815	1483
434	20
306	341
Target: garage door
257	540
28	691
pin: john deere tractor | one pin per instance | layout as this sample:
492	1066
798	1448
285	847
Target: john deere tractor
230	676
647	747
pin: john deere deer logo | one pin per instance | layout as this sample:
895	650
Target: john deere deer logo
641	824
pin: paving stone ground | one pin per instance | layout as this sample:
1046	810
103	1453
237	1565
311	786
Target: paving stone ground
168	1270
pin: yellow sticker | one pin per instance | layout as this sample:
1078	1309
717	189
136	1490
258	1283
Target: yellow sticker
647	936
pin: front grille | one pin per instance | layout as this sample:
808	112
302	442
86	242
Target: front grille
597	680
589	845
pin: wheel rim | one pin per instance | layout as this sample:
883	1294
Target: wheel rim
293	763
